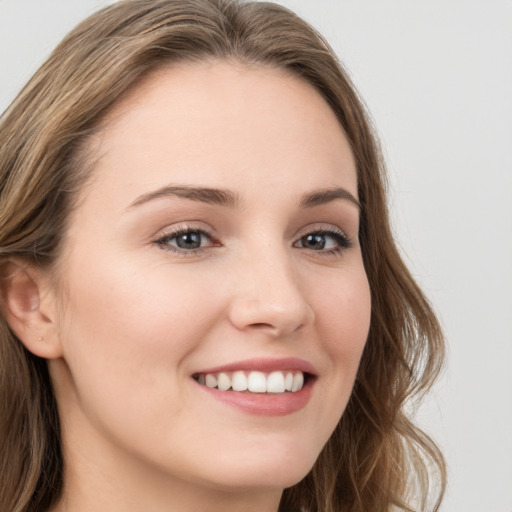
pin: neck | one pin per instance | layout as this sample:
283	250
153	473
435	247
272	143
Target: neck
177	499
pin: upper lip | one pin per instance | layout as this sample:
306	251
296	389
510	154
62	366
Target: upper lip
264	365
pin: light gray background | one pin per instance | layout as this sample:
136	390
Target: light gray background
437	77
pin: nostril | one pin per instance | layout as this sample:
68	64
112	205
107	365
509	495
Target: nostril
261	325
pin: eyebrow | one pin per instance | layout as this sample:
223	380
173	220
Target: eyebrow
202	194
223	197
324	196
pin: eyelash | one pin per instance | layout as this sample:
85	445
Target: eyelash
163	241
342	241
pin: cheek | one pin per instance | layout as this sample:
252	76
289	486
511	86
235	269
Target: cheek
344	315
116	304
131	334
126	347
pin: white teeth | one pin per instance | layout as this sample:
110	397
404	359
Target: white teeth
223	382
298	382
255	382
211	380
275	382
239	381
288	382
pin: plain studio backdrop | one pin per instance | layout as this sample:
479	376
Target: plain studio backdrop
437	78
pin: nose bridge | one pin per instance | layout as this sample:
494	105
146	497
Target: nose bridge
269	295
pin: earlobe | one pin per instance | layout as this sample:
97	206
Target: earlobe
23	291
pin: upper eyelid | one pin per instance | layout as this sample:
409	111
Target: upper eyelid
321	227
198	225
180	231
315	228
344	240
182	228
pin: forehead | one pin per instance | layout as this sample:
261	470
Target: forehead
223	122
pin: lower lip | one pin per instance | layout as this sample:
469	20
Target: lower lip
263	404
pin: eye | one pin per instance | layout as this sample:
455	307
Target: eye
327	241
186	240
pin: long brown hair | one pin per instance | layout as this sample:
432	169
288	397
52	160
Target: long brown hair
376	459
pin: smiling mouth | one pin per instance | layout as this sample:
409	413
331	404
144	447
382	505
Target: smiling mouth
276	382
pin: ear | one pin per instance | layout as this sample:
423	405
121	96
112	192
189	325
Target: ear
28	306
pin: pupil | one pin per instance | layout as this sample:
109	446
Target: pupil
315	241
189	241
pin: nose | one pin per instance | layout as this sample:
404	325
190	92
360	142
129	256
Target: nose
268	298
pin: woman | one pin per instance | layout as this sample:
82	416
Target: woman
202	304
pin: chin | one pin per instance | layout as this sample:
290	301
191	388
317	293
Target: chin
268	479
276	470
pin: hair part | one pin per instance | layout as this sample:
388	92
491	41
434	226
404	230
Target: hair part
376	456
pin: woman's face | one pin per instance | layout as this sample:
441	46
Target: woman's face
219	235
